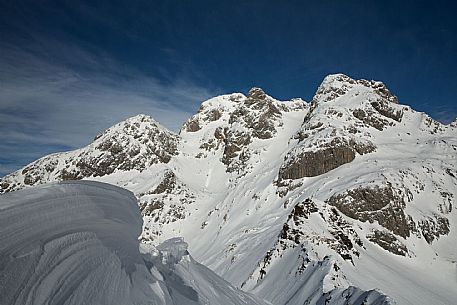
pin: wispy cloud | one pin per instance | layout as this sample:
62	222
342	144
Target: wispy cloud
62	98
444	116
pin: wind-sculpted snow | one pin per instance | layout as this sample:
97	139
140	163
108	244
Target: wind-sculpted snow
72	243
189	282
77	243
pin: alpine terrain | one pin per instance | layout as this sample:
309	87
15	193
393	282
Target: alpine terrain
346	199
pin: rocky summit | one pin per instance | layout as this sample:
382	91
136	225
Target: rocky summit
346	199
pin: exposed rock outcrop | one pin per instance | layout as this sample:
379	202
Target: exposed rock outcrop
320	161
311	164
434	227
388	242
375	203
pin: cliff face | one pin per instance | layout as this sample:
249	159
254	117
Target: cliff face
296	202
311	164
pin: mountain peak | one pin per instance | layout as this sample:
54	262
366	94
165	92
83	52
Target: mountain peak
141	118
336	85
140	123
256	93
337	78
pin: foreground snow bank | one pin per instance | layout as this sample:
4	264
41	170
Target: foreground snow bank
189	282
73	243
77	243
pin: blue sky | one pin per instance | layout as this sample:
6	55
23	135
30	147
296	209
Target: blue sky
69	69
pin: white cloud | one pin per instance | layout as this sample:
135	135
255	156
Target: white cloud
67	99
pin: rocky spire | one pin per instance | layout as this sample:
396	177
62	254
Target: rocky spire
256	93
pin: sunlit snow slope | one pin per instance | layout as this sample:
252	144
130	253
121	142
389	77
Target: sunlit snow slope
346	199
77	243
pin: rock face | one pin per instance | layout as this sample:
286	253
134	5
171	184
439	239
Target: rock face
388	242
434	227
262	124
379	204
312	164
296	202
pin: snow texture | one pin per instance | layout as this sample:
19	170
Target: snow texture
77	243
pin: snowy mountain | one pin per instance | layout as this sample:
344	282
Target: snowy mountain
347	199
136	143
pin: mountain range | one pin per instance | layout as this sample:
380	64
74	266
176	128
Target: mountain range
346	199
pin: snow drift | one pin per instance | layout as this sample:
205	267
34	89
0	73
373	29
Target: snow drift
77	243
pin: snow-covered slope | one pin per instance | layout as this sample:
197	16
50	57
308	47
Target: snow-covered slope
348	198
76	243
